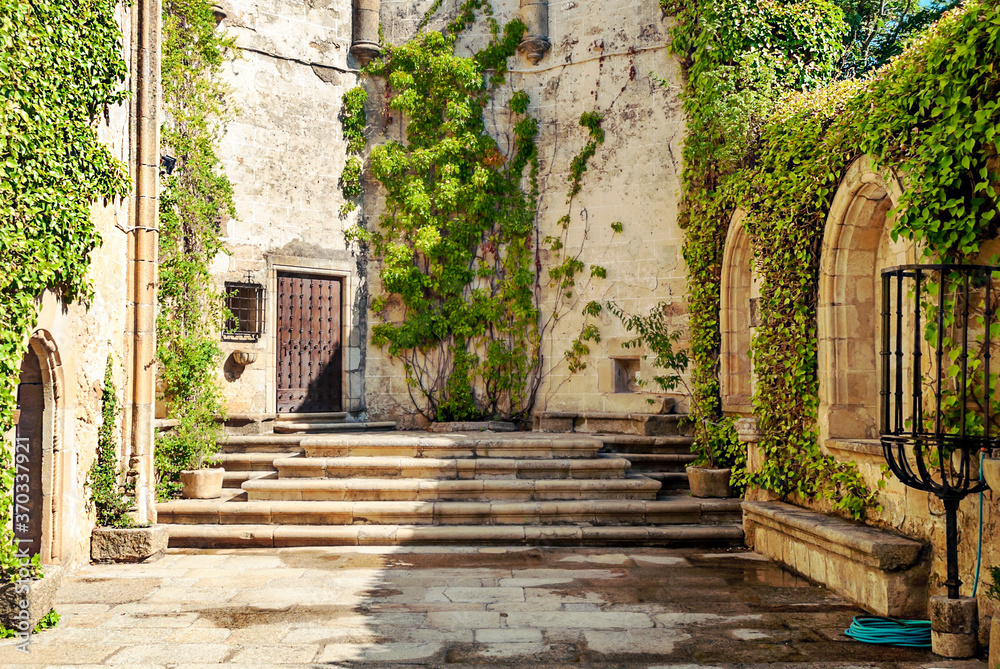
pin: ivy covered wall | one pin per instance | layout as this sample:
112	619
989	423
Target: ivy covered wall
927	116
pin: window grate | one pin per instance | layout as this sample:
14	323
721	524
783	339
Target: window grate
245	304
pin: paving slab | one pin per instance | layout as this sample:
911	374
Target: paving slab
443	606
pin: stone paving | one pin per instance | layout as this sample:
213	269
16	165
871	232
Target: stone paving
322	607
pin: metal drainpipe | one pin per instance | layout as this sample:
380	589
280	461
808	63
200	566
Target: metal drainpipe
364	41
146	21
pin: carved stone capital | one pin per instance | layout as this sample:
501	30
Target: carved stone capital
534	47
365	52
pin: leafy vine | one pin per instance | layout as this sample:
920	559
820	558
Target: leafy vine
61	68
930	113
193	203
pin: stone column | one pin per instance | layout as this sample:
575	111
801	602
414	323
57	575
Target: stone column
748	430
364	43
535	42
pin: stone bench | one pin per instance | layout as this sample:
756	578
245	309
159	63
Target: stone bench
883	573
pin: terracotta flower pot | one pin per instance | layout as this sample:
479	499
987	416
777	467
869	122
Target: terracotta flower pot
202	483
991	472
706	482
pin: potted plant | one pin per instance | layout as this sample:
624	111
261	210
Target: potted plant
711	473
716	443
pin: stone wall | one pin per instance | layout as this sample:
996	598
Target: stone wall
284	153
856	248
601	59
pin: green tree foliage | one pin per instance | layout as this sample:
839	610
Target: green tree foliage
193	203
112	492
455	245
877	30
61	68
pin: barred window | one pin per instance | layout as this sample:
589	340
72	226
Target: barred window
245	303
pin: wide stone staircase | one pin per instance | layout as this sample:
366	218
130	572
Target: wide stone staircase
578	479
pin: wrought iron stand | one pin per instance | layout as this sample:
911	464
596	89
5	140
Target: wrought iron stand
936	336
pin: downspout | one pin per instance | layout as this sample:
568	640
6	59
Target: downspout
143	251
535	42
364	33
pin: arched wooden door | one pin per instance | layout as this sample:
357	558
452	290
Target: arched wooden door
310	354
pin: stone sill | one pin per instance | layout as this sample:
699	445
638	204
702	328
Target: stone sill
871	447
858	542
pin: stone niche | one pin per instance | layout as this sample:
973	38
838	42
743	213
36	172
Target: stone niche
738	316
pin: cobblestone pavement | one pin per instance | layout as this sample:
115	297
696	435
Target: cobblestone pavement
315	607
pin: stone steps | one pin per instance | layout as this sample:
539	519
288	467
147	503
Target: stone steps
669	481
644	424
237	478
512	490
287	444
381	487
521	445
655	462
451	468
678	510
280	536
329	426
630	443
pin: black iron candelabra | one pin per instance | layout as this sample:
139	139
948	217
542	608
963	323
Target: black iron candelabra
937	390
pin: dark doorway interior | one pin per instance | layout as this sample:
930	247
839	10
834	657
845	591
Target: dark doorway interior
28	510
310	355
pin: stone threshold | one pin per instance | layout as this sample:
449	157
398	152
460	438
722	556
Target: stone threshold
883	572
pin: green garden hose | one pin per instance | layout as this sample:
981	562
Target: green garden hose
891	631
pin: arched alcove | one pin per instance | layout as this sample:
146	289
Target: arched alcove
856	247
38	434
739	292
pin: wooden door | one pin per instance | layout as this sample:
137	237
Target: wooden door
310	356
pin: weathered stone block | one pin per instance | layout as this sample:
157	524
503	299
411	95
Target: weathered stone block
132	544
882	572
954	616
39	599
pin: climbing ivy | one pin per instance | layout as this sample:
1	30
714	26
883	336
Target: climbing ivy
61	69
193	203
738	57
112	492
931	114
353	120
455	245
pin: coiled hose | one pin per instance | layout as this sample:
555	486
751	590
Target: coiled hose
891	631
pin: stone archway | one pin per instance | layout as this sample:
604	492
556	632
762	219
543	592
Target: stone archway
856	247
39	434
739	292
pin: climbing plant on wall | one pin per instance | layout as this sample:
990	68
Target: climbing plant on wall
194	201
931	114
112	492
738	57
458	243
61	68
455	246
